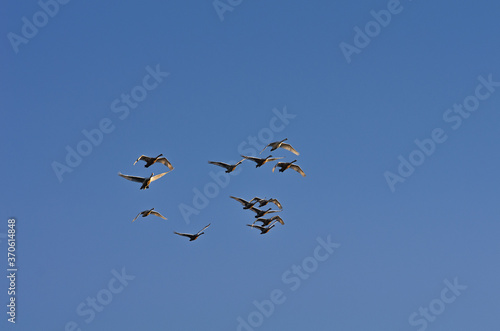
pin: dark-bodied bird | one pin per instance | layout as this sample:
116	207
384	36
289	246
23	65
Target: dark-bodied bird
266	221
193	236
261	213
149	212
261	161
286	165
263	230
246	204
152	160
263	202
145	181
229	167
281	144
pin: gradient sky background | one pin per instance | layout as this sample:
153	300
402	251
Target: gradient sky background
352	122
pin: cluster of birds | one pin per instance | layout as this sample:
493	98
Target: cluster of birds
261	161
267	223
145	181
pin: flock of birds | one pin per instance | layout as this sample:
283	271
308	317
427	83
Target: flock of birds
267	223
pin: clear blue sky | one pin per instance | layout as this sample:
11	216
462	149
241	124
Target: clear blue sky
356	104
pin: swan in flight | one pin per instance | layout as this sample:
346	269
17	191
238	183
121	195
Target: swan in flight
152	160
263	230
246	204
281	144
261	161
286	165
145	181
149	212
261	213
266	221
263	202
229	167
193	236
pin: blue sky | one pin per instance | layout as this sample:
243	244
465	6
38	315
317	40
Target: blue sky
381	235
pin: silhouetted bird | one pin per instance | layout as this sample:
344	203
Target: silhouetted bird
263	230
263	202
246	204
193	236
281	144
261	213
260	161
286	165
151	160
149	212
229	167
145	181
266	221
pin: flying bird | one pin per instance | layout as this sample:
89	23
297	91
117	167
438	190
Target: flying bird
145	181
266	221
261	213
229	167
263	202
193	236
149	212
261	161
286	165
152	160
281	144
246	204
263	230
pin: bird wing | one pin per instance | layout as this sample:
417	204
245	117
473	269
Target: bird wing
251	158
289	147
277	218
204	228
271	144
240	200
255	226
297	168
136	217
164	161
154	212
239	162
275	158
272	211
144	158
277	165
132	178
220	164
155	177
255	199
184	234
276	202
